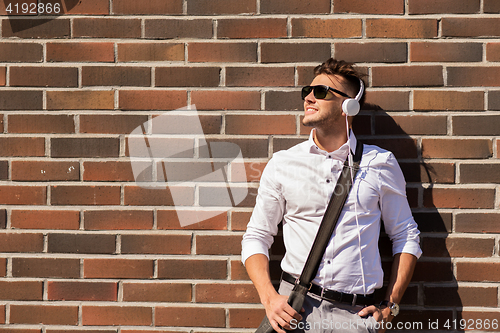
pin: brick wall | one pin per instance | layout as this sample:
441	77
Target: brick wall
85	248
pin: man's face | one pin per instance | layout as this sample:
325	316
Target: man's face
325	112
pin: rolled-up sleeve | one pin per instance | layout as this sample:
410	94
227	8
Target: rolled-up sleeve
267	214
396	213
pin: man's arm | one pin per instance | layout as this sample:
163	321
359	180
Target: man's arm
278	311
401	273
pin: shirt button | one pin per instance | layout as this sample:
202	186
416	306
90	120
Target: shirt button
328	262
328	180
329	156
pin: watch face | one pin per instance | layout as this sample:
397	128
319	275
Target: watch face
394	309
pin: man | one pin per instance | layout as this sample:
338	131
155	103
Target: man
295	188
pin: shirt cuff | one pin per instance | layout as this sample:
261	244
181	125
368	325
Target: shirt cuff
251	247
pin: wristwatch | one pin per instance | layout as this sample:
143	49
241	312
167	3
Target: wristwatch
394	307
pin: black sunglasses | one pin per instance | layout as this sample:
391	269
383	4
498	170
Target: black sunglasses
320	91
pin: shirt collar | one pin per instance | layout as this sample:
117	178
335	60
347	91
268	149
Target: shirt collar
340	153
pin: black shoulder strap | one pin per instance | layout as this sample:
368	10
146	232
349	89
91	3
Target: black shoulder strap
330	218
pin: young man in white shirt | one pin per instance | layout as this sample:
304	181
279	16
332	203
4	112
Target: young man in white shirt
295	188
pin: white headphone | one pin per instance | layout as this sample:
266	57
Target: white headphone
351	105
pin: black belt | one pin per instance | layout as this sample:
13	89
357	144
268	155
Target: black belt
332	295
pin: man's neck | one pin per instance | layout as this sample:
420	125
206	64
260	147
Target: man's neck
329	141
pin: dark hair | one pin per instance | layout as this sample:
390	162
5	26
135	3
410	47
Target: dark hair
344	69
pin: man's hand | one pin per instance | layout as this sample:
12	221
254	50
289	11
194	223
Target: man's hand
379	314
281	314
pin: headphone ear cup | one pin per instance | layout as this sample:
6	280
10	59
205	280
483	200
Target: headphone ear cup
350	107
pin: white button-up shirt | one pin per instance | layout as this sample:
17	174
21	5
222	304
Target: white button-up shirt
295	188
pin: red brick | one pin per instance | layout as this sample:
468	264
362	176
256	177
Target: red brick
212	196
371	52
81	243
190	316
192	269
460	296
118	268
433	272
326	28
249	124
186	124
45	219
239	220
402	147
222	52
260	76
3	267
80	100
180	148
15	10
458	247
85	195
459	198
217	7
44	314
480	173
41	124
429	172
238	271
448	100
407	76
493	51
478	271
187	76
45	171
80	52
226	293
4	173
294	7
21	290
446	52
137	196
82	291
477	222
22	146
411	124
253	171
21	100
46	268
106	28
117	315
402	28
156	292
3	73
116	76
245	318
226	100
388	100
476	125
470	27
156	244
20	330
21	52
150	52
23	195
111	124
94	7
473	76
294	52
108	171
192	220
36	28
179	28
494	101
212	244
118	220
456	148
152	99
369	7
252	28
43	77
443	7
155	7
84	147
491	6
